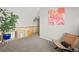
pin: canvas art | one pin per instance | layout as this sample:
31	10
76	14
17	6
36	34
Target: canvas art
56	16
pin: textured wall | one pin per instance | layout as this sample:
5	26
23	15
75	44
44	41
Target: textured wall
26	15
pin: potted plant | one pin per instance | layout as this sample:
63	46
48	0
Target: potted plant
7	23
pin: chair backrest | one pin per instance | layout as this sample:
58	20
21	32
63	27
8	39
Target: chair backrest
71	39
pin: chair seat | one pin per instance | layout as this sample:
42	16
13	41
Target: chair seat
59	45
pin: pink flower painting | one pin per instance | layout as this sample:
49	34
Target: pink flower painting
56	16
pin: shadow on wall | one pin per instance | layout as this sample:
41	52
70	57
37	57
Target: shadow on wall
78	41
62	37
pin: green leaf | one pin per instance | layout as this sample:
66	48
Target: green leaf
9	21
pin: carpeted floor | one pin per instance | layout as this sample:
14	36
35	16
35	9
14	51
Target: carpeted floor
32	44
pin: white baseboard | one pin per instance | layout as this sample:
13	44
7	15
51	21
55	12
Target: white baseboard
46	38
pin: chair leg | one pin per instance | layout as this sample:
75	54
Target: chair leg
65	50
56	48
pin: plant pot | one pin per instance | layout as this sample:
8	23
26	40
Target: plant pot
6	36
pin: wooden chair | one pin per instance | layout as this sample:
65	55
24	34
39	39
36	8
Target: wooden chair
68	39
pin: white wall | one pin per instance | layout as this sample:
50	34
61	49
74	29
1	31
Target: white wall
53	32
26	15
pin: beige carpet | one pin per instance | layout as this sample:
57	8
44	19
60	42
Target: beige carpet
32	44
